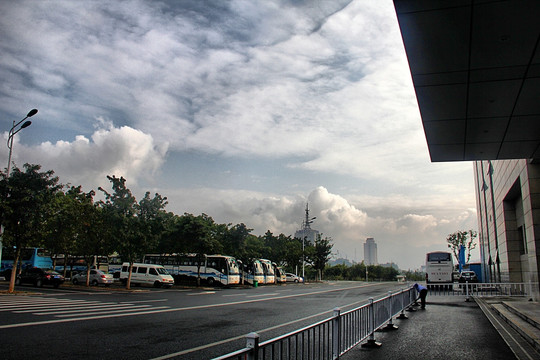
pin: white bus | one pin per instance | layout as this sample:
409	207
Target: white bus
214	269
253	271
280	274
439	268
268	268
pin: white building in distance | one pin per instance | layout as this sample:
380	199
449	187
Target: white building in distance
370	252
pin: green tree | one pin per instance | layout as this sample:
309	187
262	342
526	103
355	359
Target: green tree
152	214
60	229
234	240
254	248
320	254
131	224
72	217
197	234
292	253
24	208
459	238
337	272
91	239
168	241
357	272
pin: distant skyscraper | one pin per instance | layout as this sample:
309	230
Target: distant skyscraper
370	252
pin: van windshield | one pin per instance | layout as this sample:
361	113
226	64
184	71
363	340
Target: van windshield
162	271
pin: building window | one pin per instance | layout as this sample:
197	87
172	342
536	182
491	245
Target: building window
523	241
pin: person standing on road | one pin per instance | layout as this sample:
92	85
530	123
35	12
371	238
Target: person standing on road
422	293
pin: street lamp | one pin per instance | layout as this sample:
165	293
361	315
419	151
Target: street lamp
12	133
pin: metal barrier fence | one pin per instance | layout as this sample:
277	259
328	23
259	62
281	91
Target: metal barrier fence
482	289
330	338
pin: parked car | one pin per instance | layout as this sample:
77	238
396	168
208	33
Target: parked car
293	278
39	277
468	276
97	277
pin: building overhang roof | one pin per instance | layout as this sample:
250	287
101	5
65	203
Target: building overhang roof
475	66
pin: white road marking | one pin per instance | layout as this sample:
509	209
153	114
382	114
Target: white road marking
142	301
160	311
203	347
94	309
114	312
261	295
235	295
62	307
202	293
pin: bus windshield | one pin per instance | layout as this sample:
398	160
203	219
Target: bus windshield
233	267
439	256
258	268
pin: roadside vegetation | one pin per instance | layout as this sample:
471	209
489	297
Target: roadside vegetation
36	210
357	272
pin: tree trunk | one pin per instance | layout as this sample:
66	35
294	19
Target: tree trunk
14	271
128	283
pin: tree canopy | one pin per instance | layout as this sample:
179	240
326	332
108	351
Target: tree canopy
25	208
37	211
462	238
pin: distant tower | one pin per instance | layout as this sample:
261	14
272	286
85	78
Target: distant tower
306	232
370	252
307	235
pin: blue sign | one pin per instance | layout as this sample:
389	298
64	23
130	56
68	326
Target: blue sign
461	257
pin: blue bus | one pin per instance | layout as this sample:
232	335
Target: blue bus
30	257
75	264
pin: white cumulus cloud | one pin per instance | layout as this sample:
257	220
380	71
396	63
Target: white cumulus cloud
121	151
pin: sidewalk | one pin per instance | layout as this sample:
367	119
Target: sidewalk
452	328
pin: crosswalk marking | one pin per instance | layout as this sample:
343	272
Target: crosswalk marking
74	308
54	311
82	311
33	307
108	312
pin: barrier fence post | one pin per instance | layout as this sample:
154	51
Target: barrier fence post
411	298
466	291
402	315
336	332
371	343
390	326
252	342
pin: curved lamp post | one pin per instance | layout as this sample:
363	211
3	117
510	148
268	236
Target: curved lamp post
12	133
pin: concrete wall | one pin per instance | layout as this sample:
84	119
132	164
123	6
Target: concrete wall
508	205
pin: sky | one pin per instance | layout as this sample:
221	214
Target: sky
243	110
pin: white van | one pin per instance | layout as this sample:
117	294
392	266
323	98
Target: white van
150	274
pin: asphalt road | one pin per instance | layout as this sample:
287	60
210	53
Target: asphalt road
176	323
